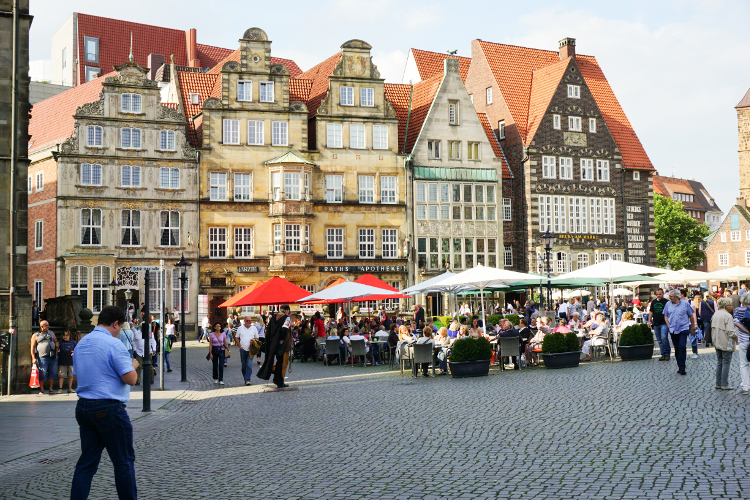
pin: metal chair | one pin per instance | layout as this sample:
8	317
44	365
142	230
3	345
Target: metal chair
332	349
508	346
607	345
320	344
422	354
359	348
404	354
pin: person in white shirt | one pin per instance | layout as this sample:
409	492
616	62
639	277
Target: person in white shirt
563	310
138	346
246	333
176	316
205	327
357	335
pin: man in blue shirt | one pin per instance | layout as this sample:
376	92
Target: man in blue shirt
680	318
105	373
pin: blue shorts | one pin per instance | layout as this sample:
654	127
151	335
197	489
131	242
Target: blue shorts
47	368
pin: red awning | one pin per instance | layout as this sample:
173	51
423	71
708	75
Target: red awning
233	302
274	291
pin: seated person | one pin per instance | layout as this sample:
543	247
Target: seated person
536	341
626	321
463	332
345	340
525	333
426	338
442	339
507	332
598	336
475	330
562	327
358	335
575	321
404	334
333	334
453	329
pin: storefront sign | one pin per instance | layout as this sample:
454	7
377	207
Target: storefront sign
247	269
636	232
362	269
577	237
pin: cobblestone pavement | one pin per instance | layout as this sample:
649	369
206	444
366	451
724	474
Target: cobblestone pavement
603	430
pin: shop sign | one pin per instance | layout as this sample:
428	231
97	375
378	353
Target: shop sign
247	269
362	269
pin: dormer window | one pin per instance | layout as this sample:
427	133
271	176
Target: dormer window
574	91
244	90
266	91
195	99
347	96
130	103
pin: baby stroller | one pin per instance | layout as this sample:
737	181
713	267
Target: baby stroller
305	349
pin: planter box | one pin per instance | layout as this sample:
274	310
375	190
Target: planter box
562	360
636	352
469	368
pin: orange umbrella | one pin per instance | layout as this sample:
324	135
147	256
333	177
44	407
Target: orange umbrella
232	302
274	291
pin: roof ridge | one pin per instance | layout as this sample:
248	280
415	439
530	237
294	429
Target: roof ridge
529	48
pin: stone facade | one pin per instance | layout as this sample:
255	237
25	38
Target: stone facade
730	244
743	132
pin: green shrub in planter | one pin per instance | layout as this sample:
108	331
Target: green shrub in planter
513	318
571	342
647	336
445	320
554	343
471	349
494	318
636	335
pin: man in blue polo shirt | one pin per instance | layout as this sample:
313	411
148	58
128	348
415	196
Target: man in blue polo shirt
680	318
105	373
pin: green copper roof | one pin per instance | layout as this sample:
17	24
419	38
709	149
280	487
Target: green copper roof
289	157
455	174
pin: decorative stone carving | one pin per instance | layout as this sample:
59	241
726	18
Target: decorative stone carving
574	139
338	70
212	103
575	188
166	113
389	111
479	229
491	230
575	110
323	107
255	34
457	229
298	106
70	145
188	152
279	69
374	73
231	66
468	228
95	108
445	228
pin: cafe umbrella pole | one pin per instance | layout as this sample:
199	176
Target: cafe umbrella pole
146	370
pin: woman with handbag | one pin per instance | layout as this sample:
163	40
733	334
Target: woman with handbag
218	348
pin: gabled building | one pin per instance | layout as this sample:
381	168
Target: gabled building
729	245
694	197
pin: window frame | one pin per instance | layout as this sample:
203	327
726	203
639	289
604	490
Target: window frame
170	177
507	255
363	190
549	167
388	194
39	234
335	131
389	243
574	123
592	125
247	96
215	186
91	174
507	210
433	150
279	129
334	189
130	228
131	138
263	90
380	140
723	259
94	129
217	242
358	139
290	238
454	150
587	165
488	95
92	227
132	169
79	274
346	95
168	134
371	100
602	167
241	187
574	91
556	122
501	130
566	167
454	113
258	132
86	40
91	71
243	244
39	181
367	244
334	242
131	100
229	136
472	151
170	228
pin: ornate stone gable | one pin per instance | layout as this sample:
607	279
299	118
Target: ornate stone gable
131	74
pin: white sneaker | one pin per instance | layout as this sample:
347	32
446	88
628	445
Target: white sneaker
744	391
694	356
221	382
216	381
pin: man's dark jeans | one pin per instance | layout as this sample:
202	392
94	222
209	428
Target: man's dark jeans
247	364
104	423
679	342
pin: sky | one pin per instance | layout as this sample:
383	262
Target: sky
678	67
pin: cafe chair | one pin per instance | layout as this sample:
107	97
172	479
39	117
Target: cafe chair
332	349
320	344
509	346
422	354
404	355
359	349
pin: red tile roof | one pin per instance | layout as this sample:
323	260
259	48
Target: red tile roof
195	83
543	85
430	64
299	89
294	70
421	102
745	102
319	74
209	56
172	105
513	68
114	42
398	95
52	119
495	145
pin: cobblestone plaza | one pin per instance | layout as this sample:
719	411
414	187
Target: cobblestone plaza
603	430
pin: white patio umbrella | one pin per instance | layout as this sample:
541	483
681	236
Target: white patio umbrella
683	276
578	293
348	291
735	273
427	286
621	291
482	277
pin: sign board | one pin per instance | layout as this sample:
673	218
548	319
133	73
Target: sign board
247	269
142	269
637	233
362	269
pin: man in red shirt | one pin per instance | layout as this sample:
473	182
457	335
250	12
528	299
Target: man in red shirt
319	325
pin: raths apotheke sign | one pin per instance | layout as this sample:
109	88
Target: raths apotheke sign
362	269
635	223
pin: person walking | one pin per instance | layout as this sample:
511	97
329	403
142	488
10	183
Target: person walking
205	329
105	373
139	350
167	346
126	337
278	341
217	347
707	310
246	334
656	321
680	318
743	339
44	347
176	316
725	339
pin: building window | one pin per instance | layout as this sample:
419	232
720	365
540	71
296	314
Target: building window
453	113
92	72
723	237
367	96
91	49
243	242
217	242
101	292
560	221
169	224
29	184
334	135
91	175
169	178
176	287
94	136
609	215
747	231
357	136
130	138
64	64
747	257
156	281
366	189
38	235
574	91
445	212
79	283
473	151
506	209
334	188
507	255
562	262
280	133
266	91
244	90
471	98
39	181
243	187
602	170
723	259
556	122
583	260
255	132
501	129
166	140
433	150
445	193
130	228
390	243
277	238
454	150
38	287
231	132
292	238
636	175
574	123
131	103
218	186
566	168
548	167
489	95
292	190
195	99
130	176
432	212
388	189
592	125
735	236
346	96
335	243
587	169
91	227
617	256
366	243
380	137
545	212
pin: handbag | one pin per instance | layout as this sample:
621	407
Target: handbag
227	353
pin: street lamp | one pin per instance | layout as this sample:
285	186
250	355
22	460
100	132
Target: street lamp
183	265
547	240
112	286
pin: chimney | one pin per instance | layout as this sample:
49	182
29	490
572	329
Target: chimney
567	48
154	62
742	202
192	50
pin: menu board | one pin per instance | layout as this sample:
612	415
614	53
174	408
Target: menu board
637	232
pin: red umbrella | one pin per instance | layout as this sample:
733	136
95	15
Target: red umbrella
274	291
234	301
370	280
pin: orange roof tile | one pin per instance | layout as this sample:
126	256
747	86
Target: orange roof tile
424	94
659	187
52	119
398	95
430	64
495	145
209	56
172	105
299	89
294	70
319	75
543	85
195	83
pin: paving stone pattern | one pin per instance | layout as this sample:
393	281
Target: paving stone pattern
603	430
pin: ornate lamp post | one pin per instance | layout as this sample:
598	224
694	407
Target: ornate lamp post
183	266
547	240
112	287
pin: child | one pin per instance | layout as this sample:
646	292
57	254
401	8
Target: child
65	362
168	348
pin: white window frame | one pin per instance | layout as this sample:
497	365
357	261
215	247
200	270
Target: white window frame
217	242
454	150
94	136
723	236
39	181
388	189
421	212
735	235
277	238
346	96
78	282
432	212
169	228
279	133
587	169
453	113
602	170
608	215
723	259
545	212
100	293
556	122
95	55
366	243
507	210
636	175
245	90
29	184
433	150
217	186
93	228
357	136
243	186
472	152
94	173
255	132
266	92
334	135
583	260
747	257
389	243
334	188
167	140
129	228
507	255
592	125
574	123
230	132
566	168
366	188
747	231
595	215
380	137
549	167
574	91
243	242
38	234
501	130
176	284
130	176
488	92
292	187
559	214
195	98
131	103
367	97
293	238
172	178
38	293
335	243
131	138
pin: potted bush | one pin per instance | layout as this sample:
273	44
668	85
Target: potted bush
636	342
470	357
494	318
513	318
561	351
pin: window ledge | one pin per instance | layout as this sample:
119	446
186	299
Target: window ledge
168	189
89	186
129	149
165	150
90	146
131	188
87	246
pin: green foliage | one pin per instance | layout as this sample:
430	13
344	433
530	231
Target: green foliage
678	236
438	324
471	349
513	318
639	334
554	343
494	318
445	320
571	342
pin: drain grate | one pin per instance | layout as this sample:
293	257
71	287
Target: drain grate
48	461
